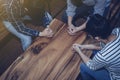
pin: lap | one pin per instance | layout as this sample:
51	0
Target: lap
101	74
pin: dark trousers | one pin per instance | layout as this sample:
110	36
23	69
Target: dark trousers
88	74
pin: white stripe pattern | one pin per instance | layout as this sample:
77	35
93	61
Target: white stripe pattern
109	57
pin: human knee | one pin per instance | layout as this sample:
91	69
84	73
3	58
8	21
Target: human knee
26	41
83	67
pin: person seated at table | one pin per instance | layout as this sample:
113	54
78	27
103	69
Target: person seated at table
77	9
11	15
38	12
105	65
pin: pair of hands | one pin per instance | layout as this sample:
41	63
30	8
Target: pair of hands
77	48
72	29
46	33
49	33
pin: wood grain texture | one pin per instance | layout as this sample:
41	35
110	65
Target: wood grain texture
54	59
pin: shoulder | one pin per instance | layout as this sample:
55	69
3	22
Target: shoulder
116	30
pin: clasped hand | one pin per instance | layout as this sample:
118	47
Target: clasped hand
47	32
72	29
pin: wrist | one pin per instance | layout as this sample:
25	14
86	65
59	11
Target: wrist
69	23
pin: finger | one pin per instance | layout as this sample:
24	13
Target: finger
47	29
70	33
74	46
48	26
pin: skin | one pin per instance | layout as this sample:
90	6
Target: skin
47	32
72	29
78	48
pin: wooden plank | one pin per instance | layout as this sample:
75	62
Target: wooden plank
55	25
50	55
56	7
26	58
64	61
52	62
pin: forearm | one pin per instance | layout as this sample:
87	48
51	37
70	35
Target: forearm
81	27
20	27
91	47
84	57
41	34
70	20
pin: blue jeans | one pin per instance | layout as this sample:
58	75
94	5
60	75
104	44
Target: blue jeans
94	52
88	74
25	39
81	12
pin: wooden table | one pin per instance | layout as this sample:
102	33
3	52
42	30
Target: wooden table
48	58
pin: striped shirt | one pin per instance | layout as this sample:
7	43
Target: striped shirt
13	11
108	57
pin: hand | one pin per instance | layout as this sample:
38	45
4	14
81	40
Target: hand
46	33
72	29
76	47
83	56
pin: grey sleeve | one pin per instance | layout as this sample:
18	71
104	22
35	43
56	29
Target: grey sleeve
70	8
99	7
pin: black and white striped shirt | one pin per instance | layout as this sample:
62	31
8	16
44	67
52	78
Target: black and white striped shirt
108	57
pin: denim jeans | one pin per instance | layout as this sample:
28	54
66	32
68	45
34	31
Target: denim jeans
25	39
88	74
81	12
94	52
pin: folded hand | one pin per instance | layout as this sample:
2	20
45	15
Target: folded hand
47	33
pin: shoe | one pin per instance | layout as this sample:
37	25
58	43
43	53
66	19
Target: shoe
47	19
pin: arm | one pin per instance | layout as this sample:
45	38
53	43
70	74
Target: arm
70	20
73	30
83	26
96	63
90	46
70	11
77	49
46	32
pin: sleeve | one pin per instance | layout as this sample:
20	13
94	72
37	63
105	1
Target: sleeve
97	62
23	29
99	7
116	31
70	8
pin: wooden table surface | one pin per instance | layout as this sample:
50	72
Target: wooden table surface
48	58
